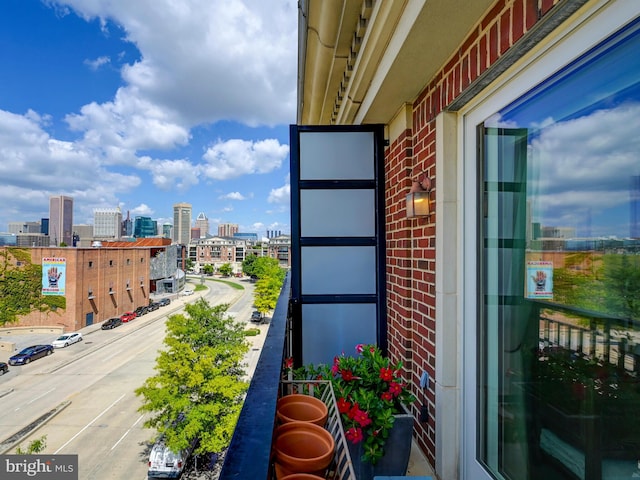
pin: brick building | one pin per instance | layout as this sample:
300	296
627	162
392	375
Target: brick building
100	283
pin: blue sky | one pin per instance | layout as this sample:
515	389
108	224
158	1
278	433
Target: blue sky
143	104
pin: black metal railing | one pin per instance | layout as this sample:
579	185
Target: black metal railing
248	455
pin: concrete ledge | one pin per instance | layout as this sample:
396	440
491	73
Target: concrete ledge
28	330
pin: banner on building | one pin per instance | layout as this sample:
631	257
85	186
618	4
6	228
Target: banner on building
54	273
539	280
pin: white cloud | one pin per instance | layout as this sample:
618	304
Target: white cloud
234	158
167	174
34	166
232	196
97	63
208	60
582	167
129	123
280	195
142	210
199	62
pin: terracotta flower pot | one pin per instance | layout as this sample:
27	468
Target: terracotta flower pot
302	447
301	408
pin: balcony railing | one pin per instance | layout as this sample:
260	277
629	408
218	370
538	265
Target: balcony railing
248	456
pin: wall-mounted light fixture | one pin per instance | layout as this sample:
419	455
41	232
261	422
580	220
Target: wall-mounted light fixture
418	204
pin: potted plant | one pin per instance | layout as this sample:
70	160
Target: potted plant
371	398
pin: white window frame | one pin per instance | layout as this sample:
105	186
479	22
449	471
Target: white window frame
586	29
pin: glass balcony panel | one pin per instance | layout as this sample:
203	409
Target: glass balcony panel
330	329
338	270
336	156
337	213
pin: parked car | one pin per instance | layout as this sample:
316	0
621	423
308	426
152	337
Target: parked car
67	339
141	310
127	316
186	292
4	368
111	323
154	306
164	301
30	353
256	317
165	463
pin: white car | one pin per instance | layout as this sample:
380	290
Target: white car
164	463
187	292
67	339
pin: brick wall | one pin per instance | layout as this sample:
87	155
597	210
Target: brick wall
411	242
99	270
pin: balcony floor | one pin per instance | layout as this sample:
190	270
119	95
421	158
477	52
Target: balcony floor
418	464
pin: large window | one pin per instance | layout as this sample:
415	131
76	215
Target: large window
559	274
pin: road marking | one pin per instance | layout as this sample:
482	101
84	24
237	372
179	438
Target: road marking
125	433
116	353
36	398
89	424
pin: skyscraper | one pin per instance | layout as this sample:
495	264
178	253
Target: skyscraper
145	227
202	222
127	226
60	220
107	223
182	223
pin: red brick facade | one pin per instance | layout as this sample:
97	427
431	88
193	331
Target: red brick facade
411	242
105	282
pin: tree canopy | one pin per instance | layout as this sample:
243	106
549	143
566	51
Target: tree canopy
200	379
270	277
226	269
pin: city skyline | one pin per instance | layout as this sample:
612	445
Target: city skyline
117	104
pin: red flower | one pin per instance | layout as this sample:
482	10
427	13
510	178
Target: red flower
343	405
395	389
352	412
387	396
347	375
354	435
335	368
386	374
288	363
359	416
360	347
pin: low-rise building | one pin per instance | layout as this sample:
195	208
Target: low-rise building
94	284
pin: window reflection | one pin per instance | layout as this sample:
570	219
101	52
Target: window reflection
560	344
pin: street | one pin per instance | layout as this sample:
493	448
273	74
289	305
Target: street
93	382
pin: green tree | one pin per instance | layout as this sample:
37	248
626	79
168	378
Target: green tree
199	380
270	277
248	264
622	285
208	269
267	267
266	293
226	270
188	264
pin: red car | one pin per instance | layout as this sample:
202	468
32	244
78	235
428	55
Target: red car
125	317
